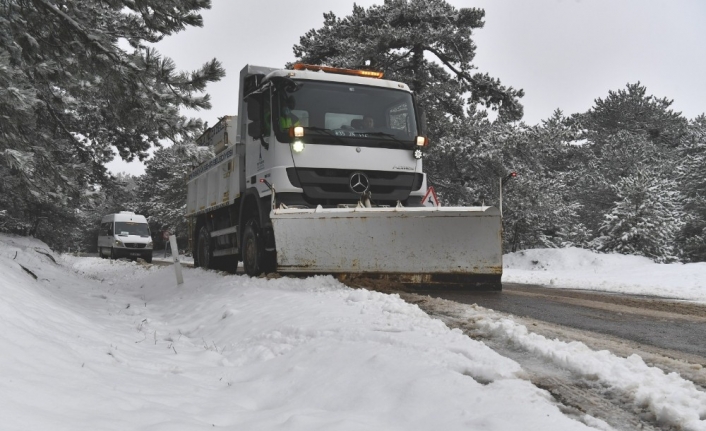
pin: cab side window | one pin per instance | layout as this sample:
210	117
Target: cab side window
399	118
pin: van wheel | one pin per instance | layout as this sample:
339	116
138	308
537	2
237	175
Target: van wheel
204	248
255	259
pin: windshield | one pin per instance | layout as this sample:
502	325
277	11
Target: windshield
346	114
131	228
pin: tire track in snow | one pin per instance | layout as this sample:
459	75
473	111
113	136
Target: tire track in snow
625	392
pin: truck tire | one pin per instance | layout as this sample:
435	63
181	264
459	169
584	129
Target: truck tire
253	249
203	249
255	259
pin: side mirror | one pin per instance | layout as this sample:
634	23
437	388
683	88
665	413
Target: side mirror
253	103
254	129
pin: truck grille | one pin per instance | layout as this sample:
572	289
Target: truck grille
330	186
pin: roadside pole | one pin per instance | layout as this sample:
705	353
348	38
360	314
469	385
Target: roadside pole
501	198
503	180
175	257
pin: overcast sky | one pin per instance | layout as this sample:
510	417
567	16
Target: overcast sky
563	53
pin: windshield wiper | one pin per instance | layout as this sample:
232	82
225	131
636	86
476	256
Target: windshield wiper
326	132
387	135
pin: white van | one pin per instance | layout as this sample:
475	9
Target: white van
125	234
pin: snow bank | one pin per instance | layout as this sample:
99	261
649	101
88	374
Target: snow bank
94	344
584	269
673	401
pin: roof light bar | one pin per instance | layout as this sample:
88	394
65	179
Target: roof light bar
315	68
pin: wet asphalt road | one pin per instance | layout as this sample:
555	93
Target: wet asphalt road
662	323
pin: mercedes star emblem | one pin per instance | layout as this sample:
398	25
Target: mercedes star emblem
359	183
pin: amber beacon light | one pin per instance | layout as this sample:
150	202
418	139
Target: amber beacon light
338	70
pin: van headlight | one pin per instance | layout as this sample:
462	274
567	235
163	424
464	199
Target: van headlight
149	244
119	243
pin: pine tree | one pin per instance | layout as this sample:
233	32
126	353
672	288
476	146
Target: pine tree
631	110
468	161
692	238
645	220
627	132
69	93
541	205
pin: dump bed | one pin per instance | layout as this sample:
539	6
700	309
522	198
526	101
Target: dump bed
214	184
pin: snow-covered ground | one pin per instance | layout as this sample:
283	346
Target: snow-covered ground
583	269
91	344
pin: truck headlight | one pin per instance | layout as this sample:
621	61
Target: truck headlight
297	146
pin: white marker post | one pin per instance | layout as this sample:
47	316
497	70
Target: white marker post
175	256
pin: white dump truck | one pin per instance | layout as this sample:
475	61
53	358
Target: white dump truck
321	173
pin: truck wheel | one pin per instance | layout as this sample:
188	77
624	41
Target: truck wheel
253	249
204	248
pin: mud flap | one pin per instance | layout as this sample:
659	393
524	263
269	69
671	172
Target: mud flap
453	247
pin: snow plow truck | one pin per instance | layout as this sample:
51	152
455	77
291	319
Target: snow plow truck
320	172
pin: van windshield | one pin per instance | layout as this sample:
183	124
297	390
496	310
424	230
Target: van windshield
131	228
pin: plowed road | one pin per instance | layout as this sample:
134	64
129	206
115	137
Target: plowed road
657	322
667	334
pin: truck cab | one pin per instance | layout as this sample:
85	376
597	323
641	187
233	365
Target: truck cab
327	137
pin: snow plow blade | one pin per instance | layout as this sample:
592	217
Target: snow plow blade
419	248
